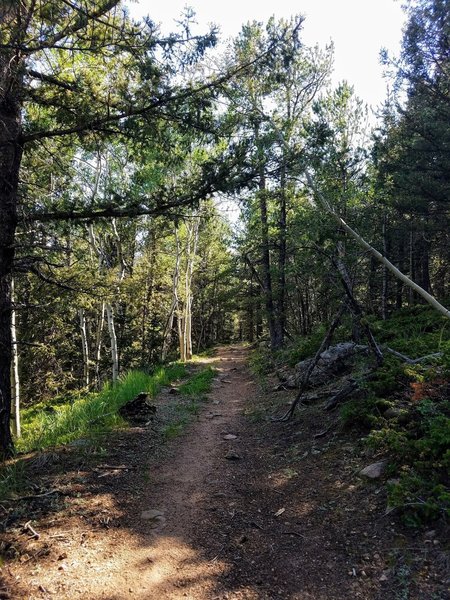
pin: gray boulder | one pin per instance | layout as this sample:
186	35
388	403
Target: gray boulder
333	362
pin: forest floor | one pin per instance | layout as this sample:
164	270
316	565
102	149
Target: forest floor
234	507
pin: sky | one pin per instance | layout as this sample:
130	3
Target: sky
358	28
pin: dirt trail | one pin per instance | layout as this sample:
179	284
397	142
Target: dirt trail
274	513
152	551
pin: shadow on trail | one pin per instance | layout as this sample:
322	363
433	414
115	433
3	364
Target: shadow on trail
264	527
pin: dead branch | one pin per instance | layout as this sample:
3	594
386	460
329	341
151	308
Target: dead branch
341	395
323	433
323	346
413	361
33	496
28	527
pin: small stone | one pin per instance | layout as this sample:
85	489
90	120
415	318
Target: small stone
148	515
62	556
230	436
232	456
384	577
392	413
173	391
375	470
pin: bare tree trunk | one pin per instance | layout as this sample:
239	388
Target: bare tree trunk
181	337
282	255
175	303
98	342
15	381
191	251
84	346
385	274
113	339
10	160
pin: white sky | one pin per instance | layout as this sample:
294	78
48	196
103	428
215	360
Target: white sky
358	28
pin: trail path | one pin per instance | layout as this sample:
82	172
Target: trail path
238	509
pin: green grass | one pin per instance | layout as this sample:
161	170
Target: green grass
191	394
199	384
58	423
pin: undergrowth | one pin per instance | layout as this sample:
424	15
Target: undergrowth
405	413
402	411
50	424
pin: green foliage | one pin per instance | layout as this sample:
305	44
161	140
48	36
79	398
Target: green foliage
415	331
95	413
303	347
417	438
199	384
421	455
363	413
261	361
12	479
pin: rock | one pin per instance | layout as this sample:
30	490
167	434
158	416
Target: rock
392	413
156	517
139	410
232	456
230	436
333	362
173	391
375	470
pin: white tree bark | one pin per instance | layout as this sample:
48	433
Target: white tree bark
175	302
84	346
362	242
113	339
191	252
15	381
98	342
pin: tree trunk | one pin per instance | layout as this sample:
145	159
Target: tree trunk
282	252
265	256
113	339
167	338
10	160
15	381
384	292
84	346
98	343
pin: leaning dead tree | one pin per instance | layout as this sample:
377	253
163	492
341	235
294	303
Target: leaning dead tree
326	206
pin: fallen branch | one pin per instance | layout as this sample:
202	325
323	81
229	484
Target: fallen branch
325	343
341	395
414	361
33	496
293	533
28	527
323	433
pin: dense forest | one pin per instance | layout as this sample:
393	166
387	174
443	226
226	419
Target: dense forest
120	148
